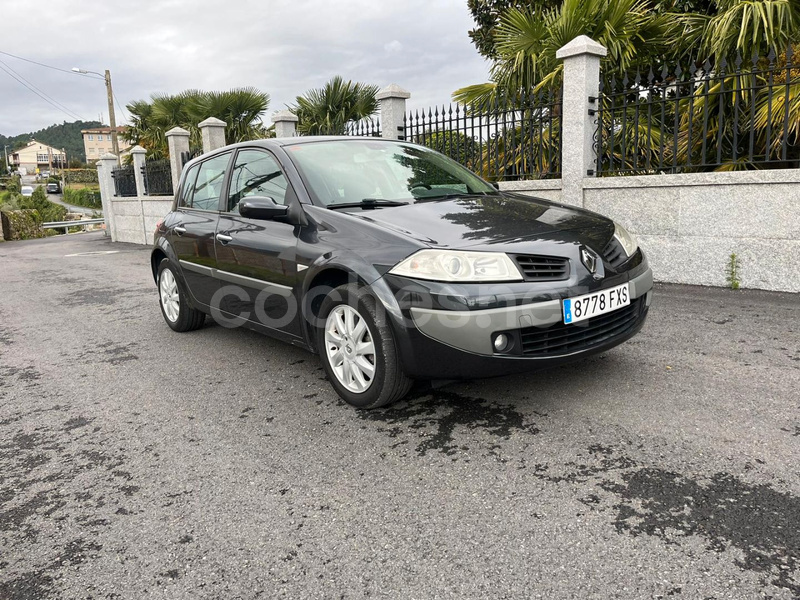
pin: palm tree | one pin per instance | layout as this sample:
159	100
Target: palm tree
746	27
327	110
527	43
240	108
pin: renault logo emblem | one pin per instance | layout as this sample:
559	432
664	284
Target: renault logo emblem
589	259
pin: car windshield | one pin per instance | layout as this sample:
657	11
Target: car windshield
352	171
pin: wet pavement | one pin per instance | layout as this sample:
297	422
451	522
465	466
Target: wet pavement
140	463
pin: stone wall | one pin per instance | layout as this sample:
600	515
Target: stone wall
690	224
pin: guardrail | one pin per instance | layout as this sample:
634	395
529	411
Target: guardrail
66	224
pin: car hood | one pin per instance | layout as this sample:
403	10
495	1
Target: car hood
487	221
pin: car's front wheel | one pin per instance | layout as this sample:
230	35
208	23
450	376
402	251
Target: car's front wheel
174	306
357	348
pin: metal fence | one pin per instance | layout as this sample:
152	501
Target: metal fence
513	138
370	127
124	181
187	156
157	177
701	116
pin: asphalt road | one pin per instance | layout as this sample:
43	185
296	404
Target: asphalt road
59	199
140	463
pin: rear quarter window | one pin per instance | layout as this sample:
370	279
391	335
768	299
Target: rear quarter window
185	198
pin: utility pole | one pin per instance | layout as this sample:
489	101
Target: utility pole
63	170
111	118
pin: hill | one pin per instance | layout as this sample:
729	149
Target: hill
66	135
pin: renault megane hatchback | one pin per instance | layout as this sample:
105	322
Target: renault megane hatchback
393	263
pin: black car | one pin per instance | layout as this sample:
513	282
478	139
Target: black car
392	262
53	188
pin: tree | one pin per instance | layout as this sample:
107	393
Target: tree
526	42
327	110
743	26
240	108
487	13
66	135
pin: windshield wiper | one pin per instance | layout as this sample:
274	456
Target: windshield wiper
454	195
367	203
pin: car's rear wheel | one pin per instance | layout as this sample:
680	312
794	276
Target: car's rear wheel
172	299
357	348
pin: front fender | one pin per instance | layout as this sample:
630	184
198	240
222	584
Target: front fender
358	271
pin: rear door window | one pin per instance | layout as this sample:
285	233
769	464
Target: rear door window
208	186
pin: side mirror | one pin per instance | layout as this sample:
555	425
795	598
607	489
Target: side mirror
262	207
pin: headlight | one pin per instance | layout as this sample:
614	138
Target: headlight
455	265
626	239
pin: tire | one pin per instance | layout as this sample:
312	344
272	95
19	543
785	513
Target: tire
178	314
349	323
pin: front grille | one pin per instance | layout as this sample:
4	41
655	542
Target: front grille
565	339
542	268
614	254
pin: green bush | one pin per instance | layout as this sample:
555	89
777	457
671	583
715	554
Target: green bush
22	224
48	211
81	176
90	198
13	184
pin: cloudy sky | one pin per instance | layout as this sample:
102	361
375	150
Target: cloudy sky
282	47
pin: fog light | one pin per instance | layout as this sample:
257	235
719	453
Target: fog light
501	342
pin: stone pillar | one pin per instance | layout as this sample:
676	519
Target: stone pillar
393	109
285	124
138	154
178	143
106	164
581	59
212	130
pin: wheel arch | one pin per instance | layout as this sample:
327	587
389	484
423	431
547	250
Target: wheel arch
161	251
331	276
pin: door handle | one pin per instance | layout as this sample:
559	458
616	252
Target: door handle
179	230
223	239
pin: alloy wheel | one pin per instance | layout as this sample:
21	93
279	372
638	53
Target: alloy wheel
170	300
350	348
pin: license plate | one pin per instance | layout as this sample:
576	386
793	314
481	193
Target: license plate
597	303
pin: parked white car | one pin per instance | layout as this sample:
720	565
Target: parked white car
27	191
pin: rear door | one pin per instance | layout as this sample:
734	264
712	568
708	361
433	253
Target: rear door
257	257
192	236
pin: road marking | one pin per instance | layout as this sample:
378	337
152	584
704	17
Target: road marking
92	253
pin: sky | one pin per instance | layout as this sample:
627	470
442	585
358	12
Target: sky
282	47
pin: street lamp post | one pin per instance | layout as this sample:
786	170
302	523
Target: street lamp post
111	118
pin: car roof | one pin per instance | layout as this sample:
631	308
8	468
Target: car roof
289	141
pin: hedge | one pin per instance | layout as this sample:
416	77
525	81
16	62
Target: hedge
81	176
22	224
83	197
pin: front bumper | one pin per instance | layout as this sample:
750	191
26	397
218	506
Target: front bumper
455	344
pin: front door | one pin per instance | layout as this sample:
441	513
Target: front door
256	262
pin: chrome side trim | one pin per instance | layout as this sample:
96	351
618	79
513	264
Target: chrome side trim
259	284
202	269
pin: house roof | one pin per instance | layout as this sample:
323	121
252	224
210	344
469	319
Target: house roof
44	147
